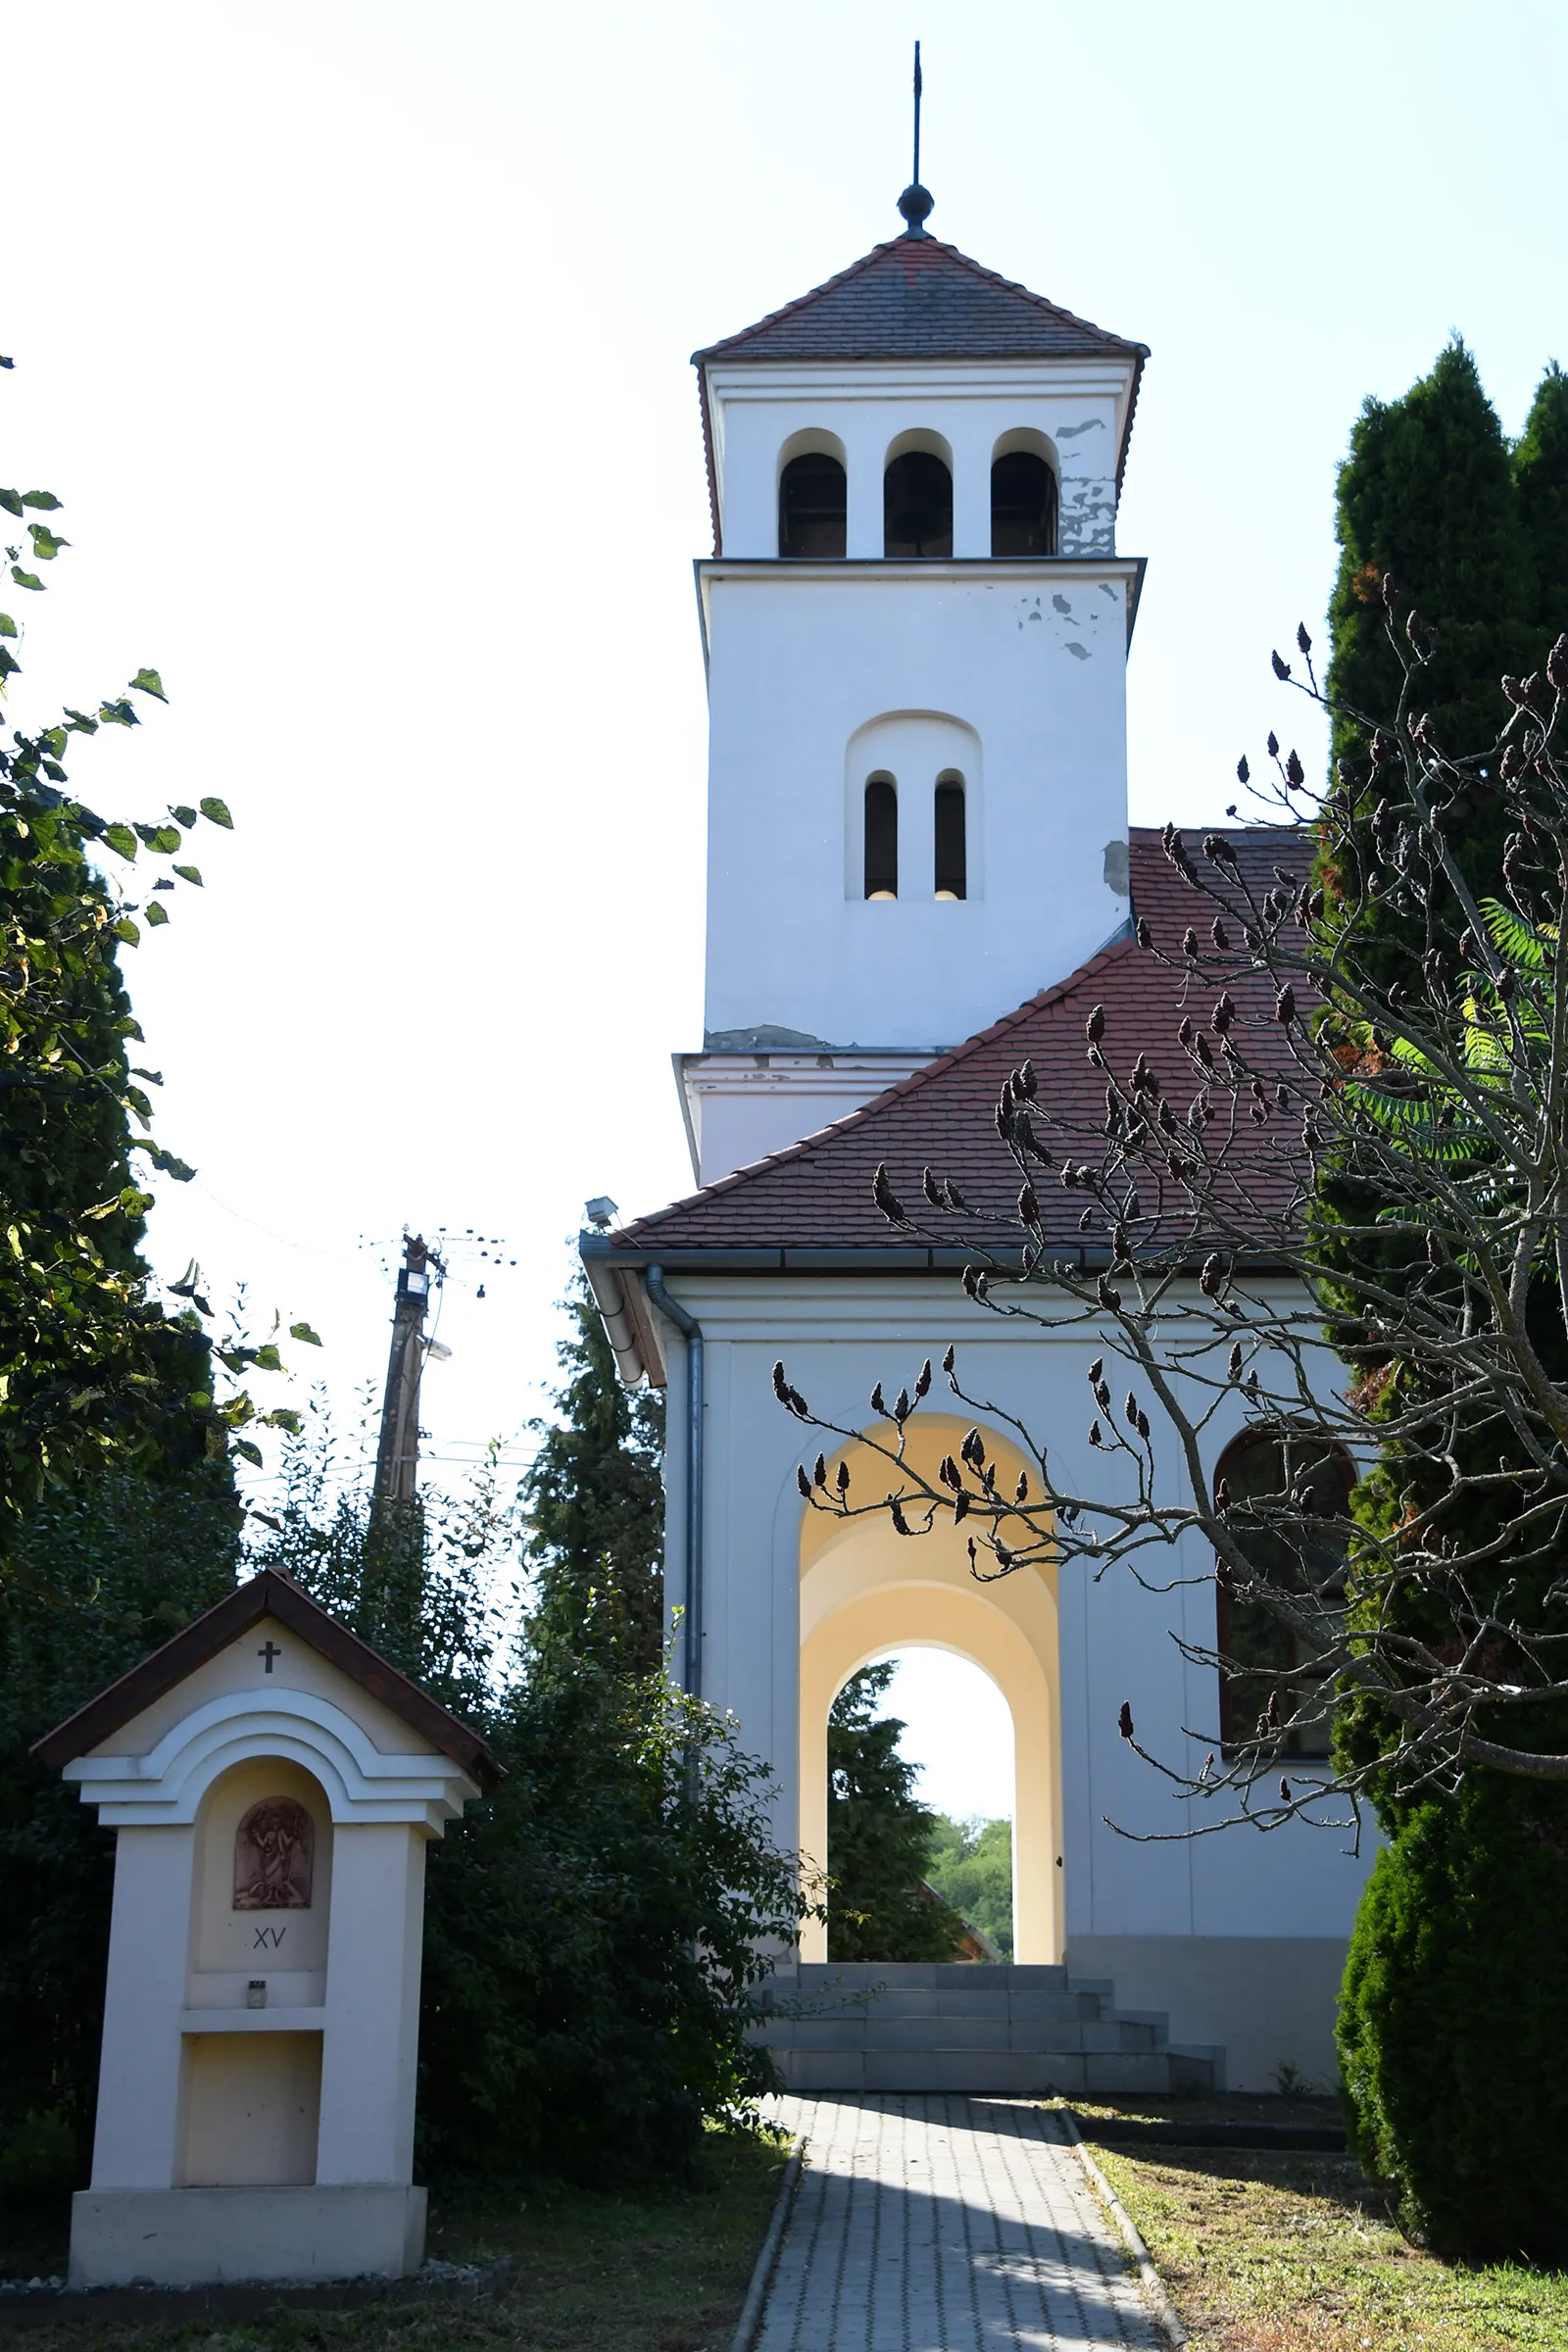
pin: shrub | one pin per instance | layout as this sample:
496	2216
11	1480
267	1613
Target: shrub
1451	2023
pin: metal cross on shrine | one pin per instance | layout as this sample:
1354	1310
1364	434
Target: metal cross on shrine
268	1652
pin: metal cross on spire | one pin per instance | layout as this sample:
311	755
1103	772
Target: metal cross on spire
915	202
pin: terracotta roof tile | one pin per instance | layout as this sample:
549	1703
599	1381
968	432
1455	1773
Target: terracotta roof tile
915	298
816	1194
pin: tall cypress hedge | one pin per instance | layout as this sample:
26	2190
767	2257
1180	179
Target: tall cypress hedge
1452	2014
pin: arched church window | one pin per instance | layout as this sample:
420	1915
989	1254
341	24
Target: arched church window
952	863
917	506
881	838
1023	504
811	506
1286	1498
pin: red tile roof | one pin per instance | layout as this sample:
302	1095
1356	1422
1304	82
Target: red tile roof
817	1194
915	298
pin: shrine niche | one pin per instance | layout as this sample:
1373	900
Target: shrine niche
275	1849
272	1785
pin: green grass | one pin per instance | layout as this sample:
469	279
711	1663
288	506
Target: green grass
1266	2252
660	2270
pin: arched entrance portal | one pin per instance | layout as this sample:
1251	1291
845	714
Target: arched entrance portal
866	1590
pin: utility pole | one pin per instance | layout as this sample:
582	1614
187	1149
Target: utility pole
397	1459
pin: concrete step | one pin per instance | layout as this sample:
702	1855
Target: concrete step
935	2026
878	2033
918	2000
945	1974
1017	2074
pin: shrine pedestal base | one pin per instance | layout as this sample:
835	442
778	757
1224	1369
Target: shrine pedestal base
228	2236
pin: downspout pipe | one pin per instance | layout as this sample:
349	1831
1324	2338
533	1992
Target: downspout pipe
691	1331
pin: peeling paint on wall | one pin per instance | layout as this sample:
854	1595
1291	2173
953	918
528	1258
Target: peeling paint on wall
1082	651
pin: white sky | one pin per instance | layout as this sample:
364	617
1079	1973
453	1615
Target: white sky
355	337
958	1733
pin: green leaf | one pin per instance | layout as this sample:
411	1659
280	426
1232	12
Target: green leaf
247	1451
163	838
11	499
81	722
153	1077
122	840
146	681
189	874
118	714
25	579
155	914
216	813
267	1359
199	1399
178	1169
9	666
44	500
8	627
183	815
45	546
302	1331
127	930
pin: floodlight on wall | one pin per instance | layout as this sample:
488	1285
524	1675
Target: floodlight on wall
600	1211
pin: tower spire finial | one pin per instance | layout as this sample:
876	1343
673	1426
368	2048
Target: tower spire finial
915	202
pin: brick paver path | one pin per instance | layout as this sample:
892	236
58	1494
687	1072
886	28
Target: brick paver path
945	2225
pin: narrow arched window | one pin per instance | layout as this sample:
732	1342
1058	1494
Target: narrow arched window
917	506
951	861
1023	506
1286	1500
881	838
812	503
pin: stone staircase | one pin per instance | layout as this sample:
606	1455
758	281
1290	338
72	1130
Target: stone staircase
968	2027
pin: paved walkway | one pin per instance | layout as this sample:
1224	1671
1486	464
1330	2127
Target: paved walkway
945	2225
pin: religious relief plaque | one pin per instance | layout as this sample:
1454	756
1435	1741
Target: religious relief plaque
275	1846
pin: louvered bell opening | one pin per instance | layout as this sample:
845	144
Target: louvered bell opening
917	506
1023	506
811	505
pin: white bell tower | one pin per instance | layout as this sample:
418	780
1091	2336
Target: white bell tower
915	623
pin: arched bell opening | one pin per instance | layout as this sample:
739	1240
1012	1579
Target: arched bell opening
917	497
812	505
881	837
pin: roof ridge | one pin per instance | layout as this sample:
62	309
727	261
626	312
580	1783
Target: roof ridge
772	317
916	1081
1042	302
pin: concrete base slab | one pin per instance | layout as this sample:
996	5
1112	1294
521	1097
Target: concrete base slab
218	2236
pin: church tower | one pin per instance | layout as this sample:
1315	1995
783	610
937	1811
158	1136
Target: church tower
915	623
921	876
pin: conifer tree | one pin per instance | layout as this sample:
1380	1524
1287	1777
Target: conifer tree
1540	474
879	1836
594	1504
1428	495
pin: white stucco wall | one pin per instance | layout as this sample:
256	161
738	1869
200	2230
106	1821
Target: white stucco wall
1009	674
1077	408
1025	666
